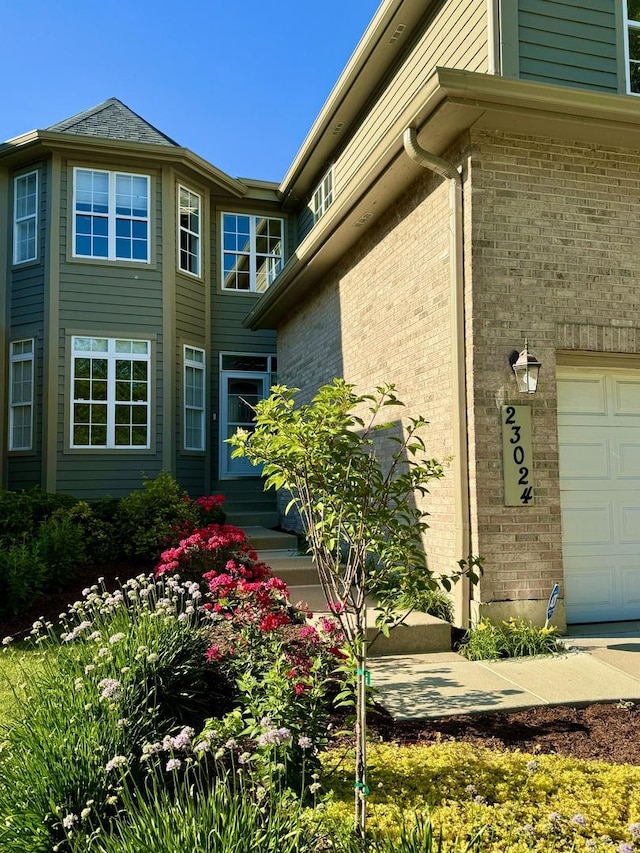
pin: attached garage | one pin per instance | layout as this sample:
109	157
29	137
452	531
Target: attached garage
599	446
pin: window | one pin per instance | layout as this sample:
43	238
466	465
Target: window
323	196
111	215
21	362
252	249
110	393
633	46
25	218
194	376
189	231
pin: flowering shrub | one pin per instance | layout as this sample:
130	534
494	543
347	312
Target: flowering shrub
123	668
285	668
207	549
160	514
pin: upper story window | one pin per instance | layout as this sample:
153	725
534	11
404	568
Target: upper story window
189	205
194	398
25	218
633	46
110	405
21	363
323	196
111	215
252	251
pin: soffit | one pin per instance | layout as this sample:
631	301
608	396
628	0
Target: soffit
453	102
384	42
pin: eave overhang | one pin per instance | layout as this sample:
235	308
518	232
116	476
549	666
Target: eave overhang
451	103
23	149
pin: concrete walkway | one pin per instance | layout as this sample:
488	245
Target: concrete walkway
601	664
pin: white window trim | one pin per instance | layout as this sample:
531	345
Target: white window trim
18	220
194	365
628	25
252	253
196	234
323	195
111	216
13	406
111	355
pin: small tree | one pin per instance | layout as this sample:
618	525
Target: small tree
358	512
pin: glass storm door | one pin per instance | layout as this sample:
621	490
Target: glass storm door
239	393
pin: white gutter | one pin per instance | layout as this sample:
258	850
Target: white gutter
462	543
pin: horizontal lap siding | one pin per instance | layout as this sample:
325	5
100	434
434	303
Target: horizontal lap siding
455	37
569	42
26	320
191	330
190	310
114	299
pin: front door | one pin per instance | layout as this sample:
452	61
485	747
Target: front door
239	393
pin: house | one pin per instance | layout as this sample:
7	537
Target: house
130	264
471	184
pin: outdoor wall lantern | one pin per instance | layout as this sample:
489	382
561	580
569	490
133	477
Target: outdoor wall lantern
526	368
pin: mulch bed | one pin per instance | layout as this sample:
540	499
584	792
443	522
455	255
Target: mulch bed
599	732
604	732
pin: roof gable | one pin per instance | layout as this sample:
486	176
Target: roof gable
112	120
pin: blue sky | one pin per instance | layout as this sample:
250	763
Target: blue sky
239	83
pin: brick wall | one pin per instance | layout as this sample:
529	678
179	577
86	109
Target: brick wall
551	237
383	315
556	228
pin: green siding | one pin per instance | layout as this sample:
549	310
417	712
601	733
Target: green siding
454	35
105	475
26	320
569	42
111	299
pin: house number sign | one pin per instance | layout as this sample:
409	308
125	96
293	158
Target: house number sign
517	459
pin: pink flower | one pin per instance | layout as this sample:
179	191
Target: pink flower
214	653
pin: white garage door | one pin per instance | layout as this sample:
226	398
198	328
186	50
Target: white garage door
599	438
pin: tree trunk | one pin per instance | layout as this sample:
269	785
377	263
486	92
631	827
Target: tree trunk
362	676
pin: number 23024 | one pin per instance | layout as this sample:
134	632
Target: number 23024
518	452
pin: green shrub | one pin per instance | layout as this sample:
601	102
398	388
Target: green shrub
61	542
21	512
23	574
149	519
512	639
96	522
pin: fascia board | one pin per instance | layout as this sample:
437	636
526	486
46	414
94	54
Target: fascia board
452	101
78	145
368	64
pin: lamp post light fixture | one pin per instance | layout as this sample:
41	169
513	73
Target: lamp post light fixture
526	368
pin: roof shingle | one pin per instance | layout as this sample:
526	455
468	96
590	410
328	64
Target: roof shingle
113	120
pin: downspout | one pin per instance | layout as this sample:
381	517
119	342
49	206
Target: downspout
462	543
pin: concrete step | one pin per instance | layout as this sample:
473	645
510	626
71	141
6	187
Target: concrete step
249	519
420	634
265	539
294	570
